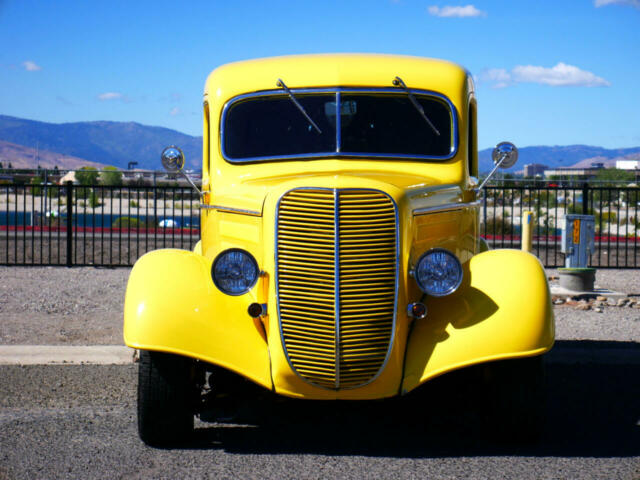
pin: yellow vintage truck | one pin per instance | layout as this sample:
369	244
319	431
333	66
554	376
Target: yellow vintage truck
340	256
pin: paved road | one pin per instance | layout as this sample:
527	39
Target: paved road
71	421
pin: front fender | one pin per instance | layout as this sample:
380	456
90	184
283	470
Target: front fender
172	305
502	310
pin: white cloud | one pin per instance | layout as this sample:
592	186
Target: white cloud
31	66
110	96
175	111
561	75
499	76
604	3
457	12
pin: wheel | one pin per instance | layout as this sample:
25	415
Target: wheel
516	395
165	398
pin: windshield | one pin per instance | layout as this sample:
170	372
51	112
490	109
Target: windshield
370	124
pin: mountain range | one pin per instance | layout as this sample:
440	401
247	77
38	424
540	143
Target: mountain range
29	143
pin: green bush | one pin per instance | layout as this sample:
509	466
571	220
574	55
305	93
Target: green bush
94	201
498	226
133	204
127	222
606	217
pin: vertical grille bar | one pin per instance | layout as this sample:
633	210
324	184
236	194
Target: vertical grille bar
336	247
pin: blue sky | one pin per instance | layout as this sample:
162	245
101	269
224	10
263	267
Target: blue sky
547	72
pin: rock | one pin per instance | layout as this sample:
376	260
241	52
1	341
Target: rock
601	298
558	301
598	309
611	302
622	302
583	306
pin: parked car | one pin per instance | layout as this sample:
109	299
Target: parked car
340	256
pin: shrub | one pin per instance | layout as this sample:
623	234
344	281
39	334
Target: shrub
606	217
127	222
94	201
498	226
133	204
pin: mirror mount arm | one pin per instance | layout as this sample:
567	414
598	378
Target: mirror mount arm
488	177
193	185
505	155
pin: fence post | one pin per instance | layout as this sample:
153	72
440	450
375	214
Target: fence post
585	198
69	186
484	212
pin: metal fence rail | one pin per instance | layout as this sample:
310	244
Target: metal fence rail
74	225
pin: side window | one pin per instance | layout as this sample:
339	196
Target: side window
472	146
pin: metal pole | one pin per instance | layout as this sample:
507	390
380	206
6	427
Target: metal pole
527	231
69	223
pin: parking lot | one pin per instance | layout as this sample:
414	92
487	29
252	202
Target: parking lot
79	421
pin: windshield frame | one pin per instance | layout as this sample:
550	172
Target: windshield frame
337	153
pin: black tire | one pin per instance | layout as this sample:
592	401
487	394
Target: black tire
516	395
165	398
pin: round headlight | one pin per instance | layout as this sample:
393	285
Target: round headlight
234	271
438	272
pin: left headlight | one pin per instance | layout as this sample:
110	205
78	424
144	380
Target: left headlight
438	272
234	271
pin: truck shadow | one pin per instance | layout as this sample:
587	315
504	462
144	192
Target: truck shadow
593	410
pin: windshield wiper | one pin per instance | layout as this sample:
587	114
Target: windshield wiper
297	104
397	82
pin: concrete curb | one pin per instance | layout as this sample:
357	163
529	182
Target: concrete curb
120	355
65	355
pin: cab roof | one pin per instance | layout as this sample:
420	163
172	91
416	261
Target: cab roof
336	70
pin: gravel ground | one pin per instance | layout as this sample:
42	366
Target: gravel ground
83	306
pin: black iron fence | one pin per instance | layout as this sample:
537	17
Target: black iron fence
616	212
74	225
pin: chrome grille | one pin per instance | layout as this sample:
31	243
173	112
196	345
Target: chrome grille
336	280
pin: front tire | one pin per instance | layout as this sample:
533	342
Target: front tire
165	398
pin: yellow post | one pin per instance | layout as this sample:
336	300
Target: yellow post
527	230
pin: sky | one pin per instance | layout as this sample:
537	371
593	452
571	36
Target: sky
547	72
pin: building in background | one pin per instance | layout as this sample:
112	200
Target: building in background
534	169
625	164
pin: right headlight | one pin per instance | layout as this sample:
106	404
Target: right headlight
438	272
235	271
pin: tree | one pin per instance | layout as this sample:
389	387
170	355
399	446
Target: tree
87	176
111	176
37	190
612	175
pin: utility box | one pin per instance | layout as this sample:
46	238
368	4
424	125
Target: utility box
578	235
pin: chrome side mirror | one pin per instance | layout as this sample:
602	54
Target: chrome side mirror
172	159
504	155
173	162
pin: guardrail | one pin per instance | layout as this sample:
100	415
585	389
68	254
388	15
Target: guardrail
73	225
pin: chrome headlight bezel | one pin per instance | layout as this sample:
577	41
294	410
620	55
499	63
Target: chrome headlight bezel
453	271
248	267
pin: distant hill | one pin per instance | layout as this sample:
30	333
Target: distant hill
118	143
560	156
20	156
107	143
